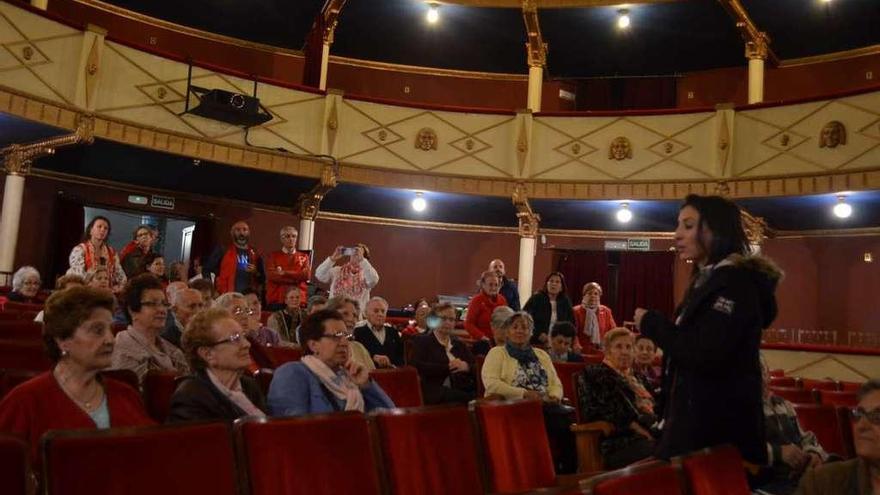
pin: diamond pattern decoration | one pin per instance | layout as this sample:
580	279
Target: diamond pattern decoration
785	140
470	144
383	136
669	148
27	53
576	150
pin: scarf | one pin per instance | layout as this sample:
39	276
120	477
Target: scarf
522	356
338	383
592	325
350	282
644	401
90	260
237	396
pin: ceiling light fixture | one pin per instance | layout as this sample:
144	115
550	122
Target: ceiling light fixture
842	209
419	204
624	214
433	13
623	19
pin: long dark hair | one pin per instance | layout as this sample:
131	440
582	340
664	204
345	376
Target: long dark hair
563	292
87	234
722	217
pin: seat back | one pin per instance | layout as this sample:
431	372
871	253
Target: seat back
650	478
127	377
478	369
783	381
838	398
21	330
159	386
515	445
264	377
594	358
429	450
167	460
9	379
326	454
274	356
14	469
715	471
23	355
778	372
824	422
809	384
794	395
566	373
401	384
850	386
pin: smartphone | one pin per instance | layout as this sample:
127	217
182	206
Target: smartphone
349	251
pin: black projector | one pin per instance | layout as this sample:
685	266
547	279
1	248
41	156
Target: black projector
229	107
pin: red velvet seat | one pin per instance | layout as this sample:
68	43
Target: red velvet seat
429	450
794	395
515	445
783	381
594	358
851	386
838	398
313	455
159	386
23	355
14	469
128	377
264	376
166	460
21	330
651	478
274	356
825	423
9	379
715	471
567	373
401	384
845	420
809	384
777	373
478	369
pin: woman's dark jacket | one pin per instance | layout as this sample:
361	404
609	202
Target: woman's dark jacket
196	398
430	359
539	307
711	368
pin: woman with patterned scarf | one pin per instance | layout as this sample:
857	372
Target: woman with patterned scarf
354	278
94	252
611	392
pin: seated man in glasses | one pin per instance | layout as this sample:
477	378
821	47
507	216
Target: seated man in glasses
326	379
859	476
221	388
246	311
140	348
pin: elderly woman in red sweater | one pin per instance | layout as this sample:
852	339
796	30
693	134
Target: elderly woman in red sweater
79	340
479	311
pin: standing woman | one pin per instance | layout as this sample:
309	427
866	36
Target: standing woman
712	371
94	252
547	306
354	278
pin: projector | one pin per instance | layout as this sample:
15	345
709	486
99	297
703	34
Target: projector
229	107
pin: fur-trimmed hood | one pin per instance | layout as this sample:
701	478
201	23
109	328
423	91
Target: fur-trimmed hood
766	275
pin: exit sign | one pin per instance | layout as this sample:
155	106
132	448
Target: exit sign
638	244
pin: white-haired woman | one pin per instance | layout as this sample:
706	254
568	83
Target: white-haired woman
25	285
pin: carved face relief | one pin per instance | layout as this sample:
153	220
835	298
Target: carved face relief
784	140
383	135
426	139
576	148
620	149
469	144
668	148
833	134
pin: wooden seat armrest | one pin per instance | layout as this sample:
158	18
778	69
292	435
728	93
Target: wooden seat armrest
602	427
588	439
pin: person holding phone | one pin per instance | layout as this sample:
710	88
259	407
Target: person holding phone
354	278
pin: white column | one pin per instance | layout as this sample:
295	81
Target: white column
306	235
527	249
536	81
325	61
756	80
13	194
40	4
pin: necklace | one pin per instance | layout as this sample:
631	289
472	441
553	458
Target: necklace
88	404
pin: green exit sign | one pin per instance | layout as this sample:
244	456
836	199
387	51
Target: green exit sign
638	244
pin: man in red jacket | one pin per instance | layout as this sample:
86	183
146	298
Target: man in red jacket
239	266
285	269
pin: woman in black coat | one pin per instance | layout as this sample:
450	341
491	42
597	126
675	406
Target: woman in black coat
712	371
547	306
444	380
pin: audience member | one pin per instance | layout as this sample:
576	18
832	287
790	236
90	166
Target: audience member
285	321
418	325
207	289
354	278
98	278
25	285
140	348
644	368
178	272
445	364
185	303
326	379
712	382
94	251
220	389
562	337
479	311
64	282
517	370
131	256
547	306
154	264
316	303
242	309
381	340
610	392
508	286
79	341
348	309
499	316
238	266
859	476
592	319
285	269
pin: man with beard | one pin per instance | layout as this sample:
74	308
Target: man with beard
239	266
508	286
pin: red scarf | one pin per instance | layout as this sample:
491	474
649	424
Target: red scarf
350	281
90	259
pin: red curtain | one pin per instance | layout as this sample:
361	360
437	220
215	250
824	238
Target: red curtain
581	267
69	225
313	50
644	280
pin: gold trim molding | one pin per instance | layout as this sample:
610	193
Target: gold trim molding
428	71
832	57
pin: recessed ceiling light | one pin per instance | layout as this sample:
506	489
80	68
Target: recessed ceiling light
624	214
842	209
433	13
419	204
623	19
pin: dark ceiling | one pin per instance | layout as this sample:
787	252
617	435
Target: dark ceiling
665	38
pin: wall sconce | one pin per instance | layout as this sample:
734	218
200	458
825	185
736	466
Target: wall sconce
869	258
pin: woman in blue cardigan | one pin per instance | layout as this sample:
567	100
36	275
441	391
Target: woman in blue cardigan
326	379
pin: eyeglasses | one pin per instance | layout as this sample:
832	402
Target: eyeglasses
873	416
235	338
243	311
156	304
447	318
338	337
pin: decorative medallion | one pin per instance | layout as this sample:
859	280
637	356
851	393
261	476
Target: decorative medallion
27	52
426	139
383	135
92	69
576	148
469	144
620	149
784	139
833	135
668	147
161	93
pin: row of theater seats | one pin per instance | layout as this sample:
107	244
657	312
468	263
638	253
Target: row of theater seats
491	447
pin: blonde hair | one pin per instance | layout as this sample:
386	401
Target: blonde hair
614	334
199	333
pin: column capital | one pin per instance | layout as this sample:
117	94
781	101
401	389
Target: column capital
758	47
310	203
756	228
528	219
330	18
536	49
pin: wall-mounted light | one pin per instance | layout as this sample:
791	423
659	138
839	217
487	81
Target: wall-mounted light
624	214
433	13
623	19
869	257
419	204
842	209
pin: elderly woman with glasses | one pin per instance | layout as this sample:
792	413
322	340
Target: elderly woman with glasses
220	389
25	285
326	379
445	364
242	310
140	347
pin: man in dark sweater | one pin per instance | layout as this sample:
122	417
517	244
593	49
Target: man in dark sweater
508	287
379	338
